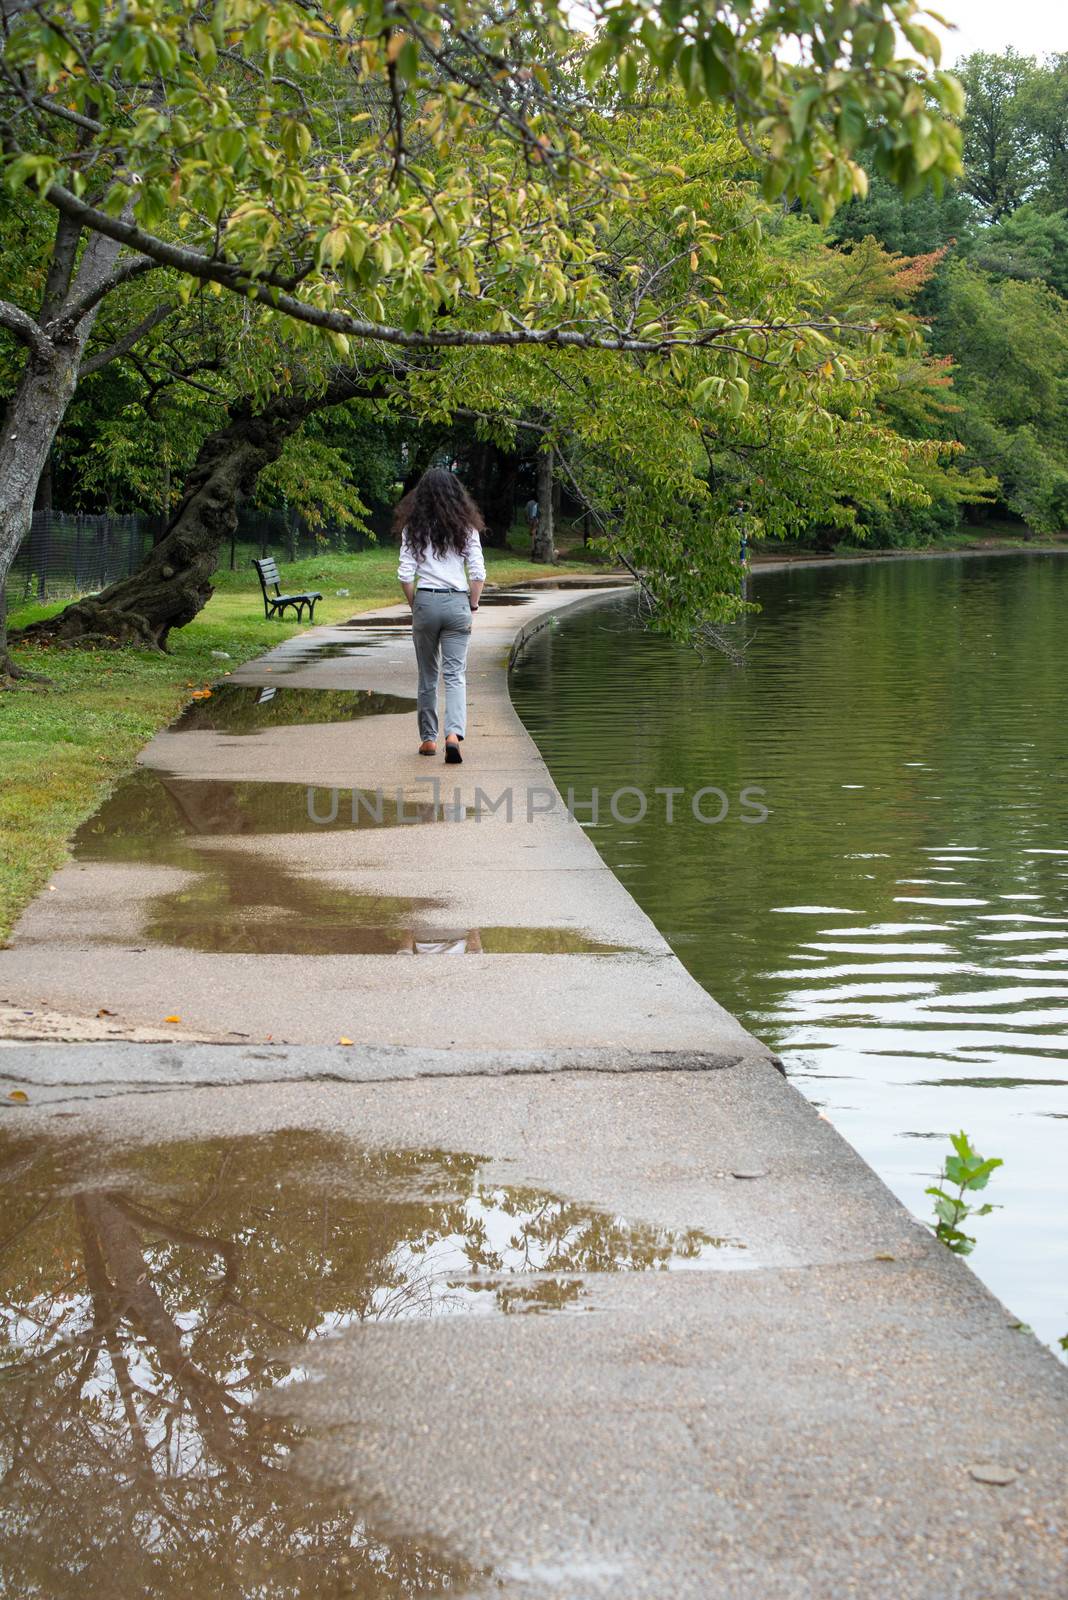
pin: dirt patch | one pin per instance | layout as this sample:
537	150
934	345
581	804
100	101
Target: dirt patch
22	1024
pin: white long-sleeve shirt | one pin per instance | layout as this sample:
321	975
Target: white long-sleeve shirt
442	572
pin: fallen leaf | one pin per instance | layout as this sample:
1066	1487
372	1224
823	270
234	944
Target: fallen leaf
104	1012
343	1040
172	1019
19	1095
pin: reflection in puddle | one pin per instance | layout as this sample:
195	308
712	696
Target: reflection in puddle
397	624
534	587
307	652
503	598
151	1298
237	708
246	904
242	902
151	815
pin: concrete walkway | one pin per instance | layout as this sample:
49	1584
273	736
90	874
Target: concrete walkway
529	885
825	1404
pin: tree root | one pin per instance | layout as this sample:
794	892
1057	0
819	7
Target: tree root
85	625
12	676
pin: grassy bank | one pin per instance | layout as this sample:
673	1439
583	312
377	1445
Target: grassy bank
63	746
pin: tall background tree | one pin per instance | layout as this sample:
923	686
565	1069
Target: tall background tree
996	300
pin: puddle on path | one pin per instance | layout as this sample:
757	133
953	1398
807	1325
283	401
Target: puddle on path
242	902
397	624
151	815
150	1297
241	709
309	652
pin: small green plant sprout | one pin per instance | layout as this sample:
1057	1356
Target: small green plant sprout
966	1171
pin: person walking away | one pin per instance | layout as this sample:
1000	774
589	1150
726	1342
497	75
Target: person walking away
531	520
441	571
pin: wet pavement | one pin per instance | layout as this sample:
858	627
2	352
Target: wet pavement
282	841
523	1275
410	1338
153	1297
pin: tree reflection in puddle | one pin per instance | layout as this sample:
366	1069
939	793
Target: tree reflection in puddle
152	816
241	709
150	1297
244	902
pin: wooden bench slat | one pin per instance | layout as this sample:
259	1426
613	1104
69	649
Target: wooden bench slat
274	605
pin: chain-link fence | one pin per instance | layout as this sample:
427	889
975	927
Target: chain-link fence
67	554
71	553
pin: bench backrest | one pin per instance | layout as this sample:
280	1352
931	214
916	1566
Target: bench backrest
268	571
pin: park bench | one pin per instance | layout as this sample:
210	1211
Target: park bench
274	605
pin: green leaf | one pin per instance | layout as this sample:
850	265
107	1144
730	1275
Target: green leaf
204	45
408	61
885	43
716	77
800	107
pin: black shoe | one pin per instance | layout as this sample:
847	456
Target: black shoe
453	758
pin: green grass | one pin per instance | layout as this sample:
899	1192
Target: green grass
65	744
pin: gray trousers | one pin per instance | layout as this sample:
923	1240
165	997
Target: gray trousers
441	630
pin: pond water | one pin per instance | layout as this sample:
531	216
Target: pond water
897	927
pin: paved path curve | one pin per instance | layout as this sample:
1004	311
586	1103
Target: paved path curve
828	1405
529	885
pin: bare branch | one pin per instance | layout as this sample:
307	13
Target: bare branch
73	312
126	342
25	329
60	267
51	108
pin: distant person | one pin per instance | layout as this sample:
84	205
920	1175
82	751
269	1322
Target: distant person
532	521
441	571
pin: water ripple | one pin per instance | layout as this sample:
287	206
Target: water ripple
896	929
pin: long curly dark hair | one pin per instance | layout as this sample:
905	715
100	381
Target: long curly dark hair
438	512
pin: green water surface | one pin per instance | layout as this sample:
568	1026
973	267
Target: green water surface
898	926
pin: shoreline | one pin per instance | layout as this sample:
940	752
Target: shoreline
766	562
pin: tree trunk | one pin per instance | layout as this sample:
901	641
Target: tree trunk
40	401
544	545
497	502
30	422
173	584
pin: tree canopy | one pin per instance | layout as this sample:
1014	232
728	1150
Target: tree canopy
329	239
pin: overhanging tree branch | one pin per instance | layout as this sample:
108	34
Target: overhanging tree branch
238	279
